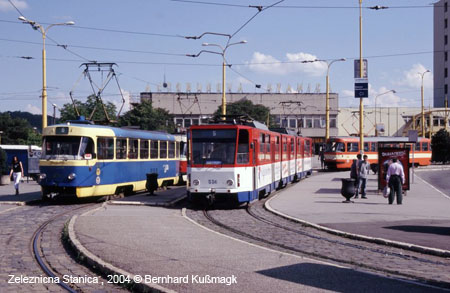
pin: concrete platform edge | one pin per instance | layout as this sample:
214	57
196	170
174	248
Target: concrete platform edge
104	267
140	203
402	245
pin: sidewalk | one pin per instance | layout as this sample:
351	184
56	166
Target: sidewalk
29	192
423	219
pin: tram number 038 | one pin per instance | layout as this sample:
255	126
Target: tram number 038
212	181
119	279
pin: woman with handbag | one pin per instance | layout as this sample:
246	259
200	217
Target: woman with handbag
16	173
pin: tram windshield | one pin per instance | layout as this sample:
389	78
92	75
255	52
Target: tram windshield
335	146
213	147
67	148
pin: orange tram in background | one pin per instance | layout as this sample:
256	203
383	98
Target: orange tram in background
340	151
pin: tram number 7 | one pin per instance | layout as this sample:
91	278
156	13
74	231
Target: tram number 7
212	181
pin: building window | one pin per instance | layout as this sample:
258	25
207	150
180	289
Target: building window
445	23
445	40
445	56
317	122
308	122
179	122
446	89
445	72
332	122
292	123
300	123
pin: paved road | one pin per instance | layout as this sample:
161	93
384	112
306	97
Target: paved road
438	178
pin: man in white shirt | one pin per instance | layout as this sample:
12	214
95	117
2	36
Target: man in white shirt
395	177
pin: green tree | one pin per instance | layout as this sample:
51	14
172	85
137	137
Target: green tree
17	131
86	109
148	118
246	107
440	144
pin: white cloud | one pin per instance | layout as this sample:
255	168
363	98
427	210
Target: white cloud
6	6
126	105
412	78
262	63
33	109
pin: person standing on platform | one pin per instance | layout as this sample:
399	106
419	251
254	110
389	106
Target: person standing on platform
16	172
363	173
395	177
354	171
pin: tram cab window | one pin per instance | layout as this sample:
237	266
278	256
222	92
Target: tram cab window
154	149
163	149
133	145
144	149
214	146
105	148
121	148
335	147
243	149
67	147
417	147
352	147
425	146
171	149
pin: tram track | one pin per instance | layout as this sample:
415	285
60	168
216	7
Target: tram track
256	225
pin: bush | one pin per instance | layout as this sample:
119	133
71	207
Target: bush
4	170
440	144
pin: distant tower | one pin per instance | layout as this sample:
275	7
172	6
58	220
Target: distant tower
278	88
300	88
208	88
199	87
178	87
188	87
269	88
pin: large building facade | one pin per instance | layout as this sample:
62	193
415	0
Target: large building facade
302	112
440	56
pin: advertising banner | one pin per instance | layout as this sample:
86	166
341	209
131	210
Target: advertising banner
385	156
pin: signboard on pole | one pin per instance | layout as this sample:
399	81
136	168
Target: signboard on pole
361	88
385	156
358	69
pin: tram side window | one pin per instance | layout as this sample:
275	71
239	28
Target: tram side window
307	148
243	150
373	147
133	146
178	149
352	147
163	149
171	149
366	146
261	143
292	148
144	149
121	148
425	146
277	148
154	149
105	148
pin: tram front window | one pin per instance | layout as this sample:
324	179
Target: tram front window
335	147
213	147
66	147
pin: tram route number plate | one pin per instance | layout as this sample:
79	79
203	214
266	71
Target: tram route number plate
212	181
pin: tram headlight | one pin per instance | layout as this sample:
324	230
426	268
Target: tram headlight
42	176
195	182
230	182
71	176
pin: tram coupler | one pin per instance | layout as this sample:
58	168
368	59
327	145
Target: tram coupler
211	198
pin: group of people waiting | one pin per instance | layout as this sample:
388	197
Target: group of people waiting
395	177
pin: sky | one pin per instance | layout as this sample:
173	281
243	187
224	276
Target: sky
146	39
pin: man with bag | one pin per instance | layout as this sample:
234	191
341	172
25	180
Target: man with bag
395	177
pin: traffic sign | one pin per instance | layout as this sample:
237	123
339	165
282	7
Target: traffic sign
361	88
358	69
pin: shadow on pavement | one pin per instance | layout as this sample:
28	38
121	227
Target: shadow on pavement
422	229
340	279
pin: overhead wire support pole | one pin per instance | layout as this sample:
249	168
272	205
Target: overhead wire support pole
361	75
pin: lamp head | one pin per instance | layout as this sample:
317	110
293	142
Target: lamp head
70	23
22	18
205	44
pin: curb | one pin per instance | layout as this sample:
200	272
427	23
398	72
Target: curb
105	268
20	203
382	241
140	203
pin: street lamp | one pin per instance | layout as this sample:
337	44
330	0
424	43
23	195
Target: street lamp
327	103
376	97
37	26
224	49
54	113
423	111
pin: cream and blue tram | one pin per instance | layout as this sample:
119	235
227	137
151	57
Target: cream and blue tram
86	160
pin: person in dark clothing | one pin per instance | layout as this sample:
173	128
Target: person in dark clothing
16	172
354	173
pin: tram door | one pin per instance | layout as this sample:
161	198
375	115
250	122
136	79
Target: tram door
255	167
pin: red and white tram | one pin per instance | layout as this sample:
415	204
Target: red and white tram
242	161
340	151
